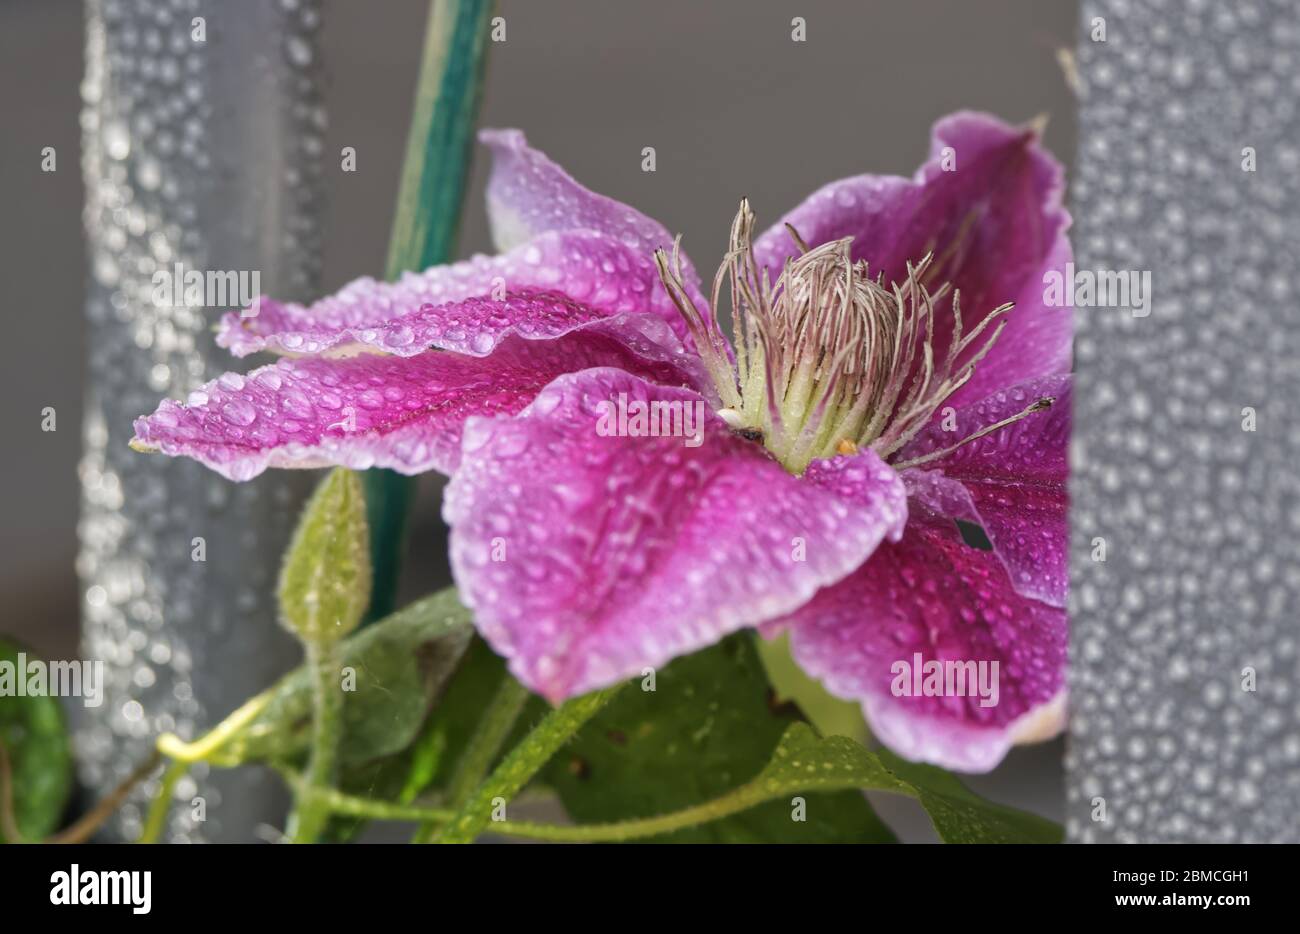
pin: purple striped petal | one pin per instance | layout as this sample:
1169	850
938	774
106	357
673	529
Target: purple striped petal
932	599
1013	482
589	557
403	413
996	225
586	274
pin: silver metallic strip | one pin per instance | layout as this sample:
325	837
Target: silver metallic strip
202	129
1185	717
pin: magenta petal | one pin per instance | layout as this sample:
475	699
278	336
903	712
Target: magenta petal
996	225
875	210
529	195
451	307
587	558
1013	482
932	595
558	239
404	413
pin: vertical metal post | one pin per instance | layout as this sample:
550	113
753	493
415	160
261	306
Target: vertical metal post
203	141
1184	659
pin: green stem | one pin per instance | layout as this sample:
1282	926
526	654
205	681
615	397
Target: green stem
425	225
161	805
521	764
388	500
497	722
442	132
733	802
172	746
311	814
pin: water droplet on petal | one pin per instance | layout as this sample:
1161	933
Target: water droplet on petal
239	412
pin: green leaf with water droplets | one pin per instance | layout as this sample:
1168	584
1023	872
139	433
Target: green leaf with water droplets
709	726
805	761
35	737
960	815
325	581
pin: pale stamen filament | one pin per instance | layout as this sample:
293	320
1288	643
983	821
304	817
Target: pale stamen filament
829	359
1038	405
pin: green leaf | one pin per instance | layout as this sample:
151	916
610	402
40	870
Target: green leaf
400	664
709	726
426	762
961	816
34	734
522	763
390	698
805	761
325	581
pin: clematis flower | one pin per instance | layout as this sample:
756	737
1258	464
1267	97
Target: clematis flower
893	368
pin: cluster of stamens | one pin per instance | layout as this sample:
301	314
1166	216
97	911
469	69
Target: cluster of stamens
828	359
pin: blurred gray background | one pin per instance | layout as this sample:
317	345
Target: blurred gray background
732	106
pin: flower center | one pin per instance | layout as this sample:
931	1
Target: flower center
828	359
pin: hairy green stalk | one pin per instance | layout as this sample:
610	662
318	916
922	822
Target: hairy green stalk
311	812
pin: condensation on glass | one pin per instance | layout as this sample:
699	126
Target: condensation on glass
202	142
1185	724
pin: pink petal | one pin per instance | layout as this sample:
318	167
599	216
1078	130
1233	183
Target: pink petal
554	282
528	195
1013	482
933	595
588	558
403	413
996	225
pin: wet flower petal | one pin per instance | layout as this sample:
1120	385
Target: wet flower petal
453	307
589	557
1012	482
529	195
404	413
995	223
931	594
